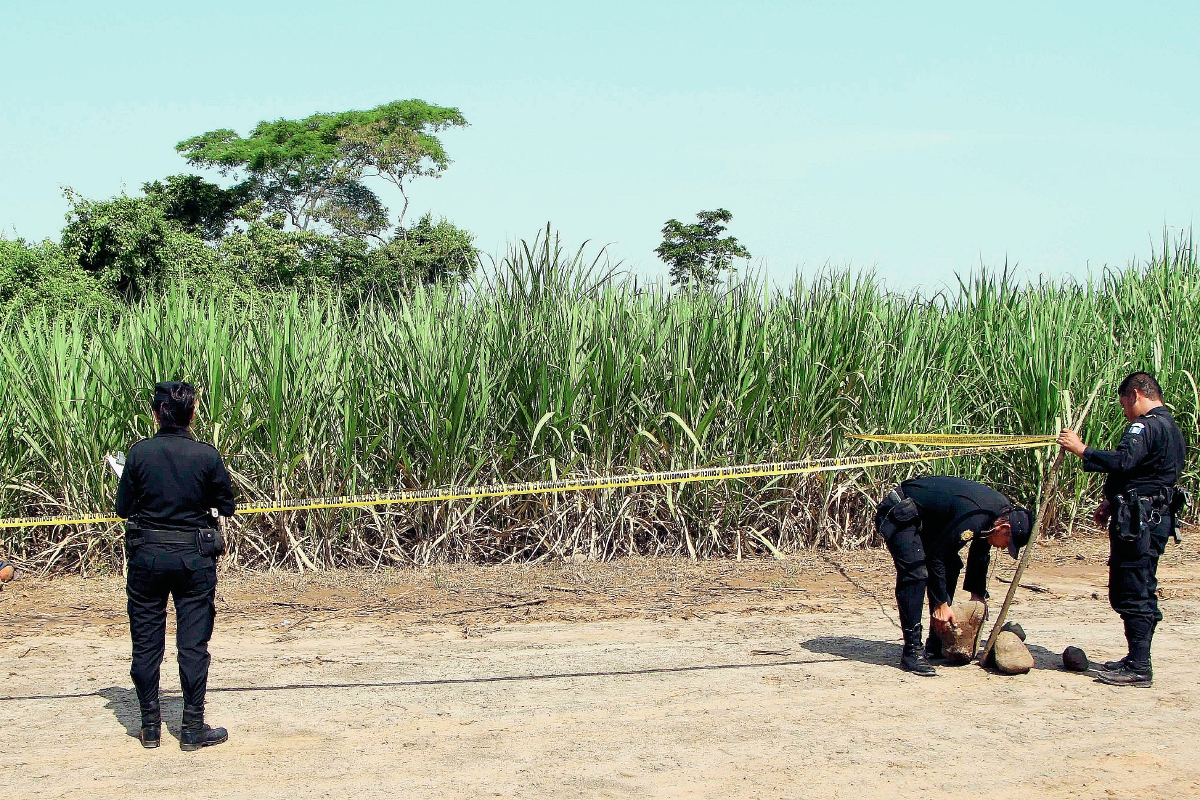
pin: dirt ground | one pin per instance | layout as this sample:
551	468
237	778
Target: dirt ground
642	678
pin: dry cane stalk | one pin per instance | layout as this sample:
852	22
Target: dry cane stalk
1048	489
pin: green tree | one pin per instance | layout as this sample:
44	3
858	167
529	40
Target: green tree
129	246
397	142
43	276
266	257
200	207
427	253
312	169
294	166
696	253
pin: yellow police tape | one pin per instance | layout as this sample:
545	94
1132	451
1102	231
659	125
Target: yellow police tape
953	439
986	443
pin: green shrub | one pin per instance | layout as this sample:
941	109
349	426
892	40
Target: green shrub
41	276
423	255
129	246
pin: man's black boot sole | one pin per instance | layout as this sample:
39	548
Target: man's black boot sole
150	740
190	747
1146	684
922	670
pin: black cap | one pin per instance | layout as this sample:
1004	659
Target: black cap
1075	659
1022	525
1015	627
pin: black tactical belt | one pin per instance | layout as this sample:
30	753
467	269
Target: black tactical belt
151	536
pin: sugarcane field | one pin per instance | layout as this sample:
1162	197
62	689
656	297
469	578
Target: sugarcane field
793	401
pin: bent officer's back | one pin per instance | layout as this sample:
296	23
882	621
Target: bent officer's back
171	491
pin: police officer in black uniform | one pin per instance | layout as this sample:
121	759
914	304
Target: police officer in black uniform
925	522
171	491
1141	506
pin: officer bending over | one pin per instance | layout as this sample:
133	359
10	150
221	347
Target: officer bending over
171	490
925	522
1141	506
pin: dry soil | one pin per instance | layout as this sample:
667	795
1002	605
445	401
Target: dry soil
643	678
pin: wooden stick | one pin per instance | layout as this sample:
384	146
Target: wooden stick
1049	487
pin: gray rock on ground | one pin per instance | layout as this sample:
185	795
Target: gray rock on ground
1011	655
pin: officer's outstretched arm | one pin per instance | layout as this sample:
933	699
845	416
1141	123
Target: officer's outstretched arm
1133	448
937	580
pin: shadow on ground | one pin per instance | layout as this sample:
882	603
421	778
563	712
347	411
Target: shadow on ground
123	702
852	648
887	654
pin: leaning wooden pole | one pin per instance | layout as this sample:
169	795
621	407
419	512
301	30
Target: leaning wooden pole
1049	488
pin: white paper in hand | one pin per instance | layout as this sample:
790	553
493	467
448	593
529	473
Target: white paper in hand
117	462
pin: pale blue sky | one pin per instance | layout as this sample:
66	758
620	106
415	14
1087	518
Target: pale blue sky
915	141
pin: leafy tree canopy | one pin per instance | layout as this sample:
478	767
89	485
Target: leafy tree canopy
41	276
312	169
696	253
427	253
200	207
128	245
396	141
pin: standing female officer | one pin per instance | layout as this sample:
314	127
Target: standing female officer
171	491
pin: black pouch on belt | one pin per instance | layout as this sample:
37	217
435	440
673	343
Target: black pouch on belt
1177	501
1133	528
211	542
133	537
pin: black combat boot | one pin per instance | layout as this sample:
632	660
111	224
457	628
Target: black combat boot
1134	669
196	734
1129	674
151	734
933	646
913	660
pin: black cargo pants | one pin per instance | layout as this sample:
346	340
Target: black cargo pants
899	525
191	579
1137	538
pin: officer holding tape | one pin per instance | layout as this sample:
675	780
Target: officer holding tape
925	522
171	490
1141	506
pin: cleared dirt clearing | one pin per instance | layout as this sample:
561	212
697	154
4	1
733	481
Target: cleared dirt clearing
642	678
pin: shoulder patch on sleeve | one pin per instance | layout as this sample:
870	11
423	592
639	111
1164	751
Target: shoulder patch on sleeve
1136	428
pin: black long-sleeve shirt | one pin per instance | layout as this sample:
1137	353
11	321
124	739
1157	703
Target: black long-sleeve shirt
1148	459
172	482
949	507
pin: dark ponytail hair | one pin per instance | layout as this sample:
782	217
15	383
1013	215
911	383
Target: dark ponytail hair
175	403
